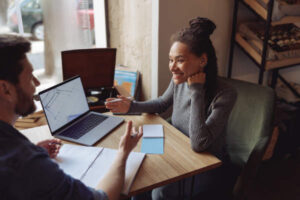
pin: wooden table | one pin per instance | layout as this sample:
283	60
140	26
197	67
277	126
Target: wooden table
178	161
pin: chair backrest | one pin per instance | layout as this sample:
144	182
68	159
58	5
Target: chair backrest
95	66
250	120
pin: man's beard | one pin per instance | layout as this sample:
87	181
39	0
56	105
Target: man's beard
25	104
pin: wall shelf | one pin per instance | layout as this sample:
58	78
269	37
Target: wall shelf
263	13
260	58
257	57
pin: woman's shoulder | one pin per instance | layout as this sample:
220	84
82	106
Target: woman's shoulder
223	84
225	88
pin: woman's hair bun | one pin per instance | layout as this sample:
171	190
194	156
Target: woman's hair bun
202	26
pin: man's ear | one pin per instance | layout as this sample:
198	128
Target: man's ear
203	60
5	89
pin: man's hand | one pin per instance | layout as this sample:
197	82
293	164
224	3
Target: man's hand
130	139
113	182
52	146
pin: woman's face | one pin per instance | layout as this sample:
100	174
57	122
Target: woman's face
183	63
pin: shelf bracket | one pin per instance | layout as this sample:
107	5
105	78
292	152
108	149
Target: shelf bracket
232	41
295	92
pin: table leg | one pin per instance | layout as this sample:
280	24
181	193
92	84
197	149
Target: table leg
183	183
192	187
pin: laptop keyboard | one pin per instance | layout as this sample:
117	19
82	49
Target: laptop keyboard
83	126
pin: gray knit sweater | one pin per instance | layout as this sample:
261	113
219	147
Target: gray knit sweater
206	129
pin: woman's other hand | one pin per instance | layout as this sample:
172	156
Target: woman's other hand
118	105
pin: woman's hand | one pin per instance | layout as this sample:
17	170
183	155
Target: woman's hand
118	105
130	139
51	146
197	78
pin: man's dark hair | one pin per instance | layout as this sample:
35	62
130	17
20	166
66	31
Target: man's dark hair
12	50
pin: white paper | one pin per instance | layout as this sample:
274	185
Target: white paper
153	130
90	164
133	164
37	134
75	160
102	165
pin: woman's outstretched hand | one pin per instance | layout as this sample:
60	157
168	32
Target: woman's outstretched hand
118	105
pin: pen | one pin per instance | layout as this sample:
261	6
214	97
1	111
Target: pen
117	100
52	143
133	135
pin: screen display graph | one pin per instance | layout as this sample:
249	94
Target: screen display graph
64	103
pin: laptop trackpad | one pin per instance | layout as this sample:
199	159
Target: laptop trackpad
101	130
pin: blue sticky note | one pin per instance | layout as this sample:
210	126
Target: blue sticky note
153	145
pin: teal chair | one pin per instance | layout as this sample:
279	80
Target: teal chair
248	132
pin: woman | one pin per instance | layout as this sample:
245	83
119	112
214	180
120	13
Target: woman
201	101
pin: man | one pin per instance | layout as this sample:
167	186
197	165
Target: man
26	170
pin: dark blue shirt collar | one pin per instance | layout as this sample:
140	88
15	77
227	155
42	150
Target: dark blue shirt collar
9	130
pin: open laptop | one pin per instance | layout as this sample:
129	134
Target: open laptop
69	116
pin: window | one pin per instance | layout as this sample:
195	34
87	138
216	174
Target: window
73	30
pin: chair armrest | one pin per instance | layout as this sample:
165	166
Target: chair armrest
271	145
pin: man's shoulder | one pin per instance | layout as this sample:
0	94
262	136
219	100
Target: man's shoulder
16	152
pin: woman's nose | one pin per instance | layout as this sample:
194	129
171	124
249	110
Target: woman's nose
172	66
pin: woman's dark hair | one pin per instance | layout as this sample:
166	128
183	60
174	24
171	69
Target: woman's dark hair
197	38
12	50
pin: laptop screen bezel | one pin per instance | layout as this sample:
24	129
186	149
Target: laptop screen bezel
70	122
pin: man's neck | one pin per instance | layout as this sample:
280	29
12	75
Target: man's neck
8	117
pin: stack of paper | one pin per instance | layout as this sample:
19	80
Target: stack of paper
153	139
90	164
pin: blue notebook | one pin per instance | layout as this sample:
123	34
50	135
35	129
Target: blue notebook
153	139
153	145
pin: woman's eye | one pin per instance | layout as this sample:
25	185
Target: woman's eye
180	61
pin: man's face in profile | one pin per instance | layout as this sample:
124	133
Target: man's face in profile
25	90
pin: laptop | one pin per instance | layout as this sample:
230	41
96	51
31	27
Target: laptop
69	117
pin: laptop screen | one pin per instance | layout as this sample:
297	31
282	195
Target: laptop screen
63	103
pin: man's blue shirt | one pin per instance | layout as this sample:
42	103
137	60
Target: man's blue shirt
27	172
